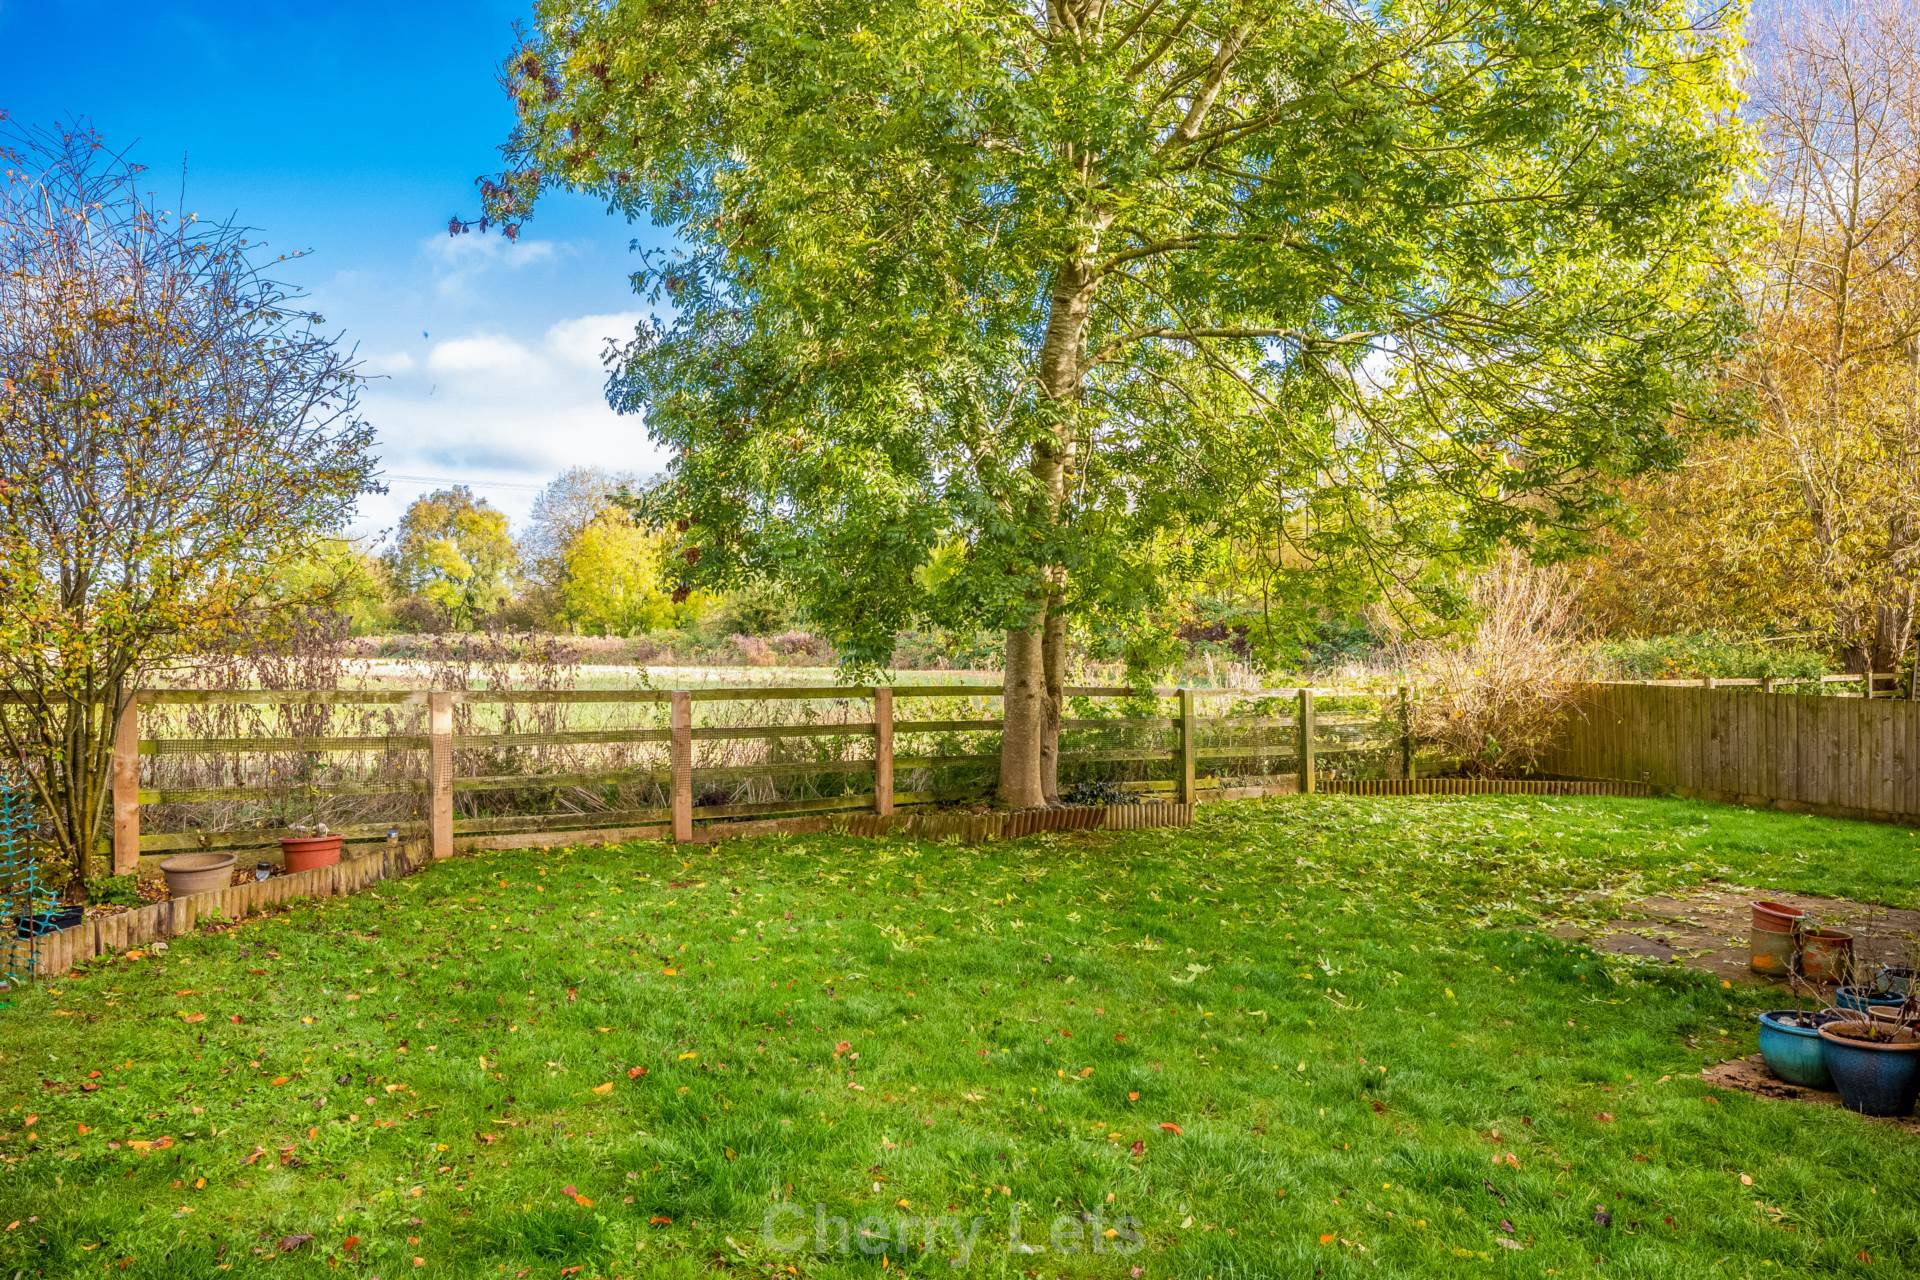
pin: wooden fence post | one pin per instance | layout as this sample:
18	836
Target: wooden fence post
682	766
1406	733
440	775
883	751
1187	747
1305	726
1866	684
126	788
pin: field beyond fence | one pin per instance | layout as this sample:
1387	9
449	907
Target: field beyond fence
477	768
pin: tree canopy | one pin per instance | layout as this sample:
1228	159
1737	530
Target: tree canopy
1006	314
173	427
453	549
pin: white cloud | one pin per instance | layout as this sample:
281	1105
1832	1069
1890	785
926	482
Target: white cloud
484	355
502	416
387	364
582	341
458	262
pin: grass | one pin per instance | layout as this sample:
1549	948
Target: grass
1307	1037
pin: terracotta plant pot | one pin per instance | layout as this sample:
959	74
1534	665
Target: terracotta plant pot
1875	1077
308	853
1826	955
1776	917
189	873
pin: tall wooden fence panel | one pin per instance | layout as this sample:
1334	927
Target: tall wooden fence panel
1849	757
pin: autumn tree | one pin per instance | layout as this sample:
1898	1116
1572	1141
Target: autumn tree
172	427
453	550
1836	308
614	582
336	576
569	503
1001	314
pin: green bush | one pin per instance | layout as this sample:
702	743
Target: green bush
115	891
1696	655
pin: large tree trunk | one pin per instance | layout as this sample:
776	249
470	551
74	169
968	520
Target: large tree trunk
1023	708
1053	664
1036	652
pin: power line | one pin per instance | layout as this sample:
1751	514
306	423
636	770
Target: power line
469	483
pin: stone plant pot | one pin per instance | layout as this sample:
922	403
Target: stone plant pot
308	853
189	873
1770	952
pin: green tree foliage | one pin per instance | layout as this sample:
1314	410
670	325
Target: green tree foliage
336	576
1001	315
454	550
613	583
172	427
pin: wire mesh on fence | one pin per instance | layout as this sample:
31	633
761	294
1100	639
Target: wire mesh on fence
21	893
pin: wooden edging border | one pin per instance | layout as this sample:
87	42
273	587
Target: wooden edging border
106	935
1482	787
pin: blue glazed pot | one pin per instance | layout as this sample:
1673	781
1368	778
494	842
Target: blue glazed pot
1793	1053
1874	1078
1866	1000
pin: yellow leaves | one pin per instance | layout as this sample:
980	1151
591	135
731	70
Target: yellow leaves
604	1089
688	1057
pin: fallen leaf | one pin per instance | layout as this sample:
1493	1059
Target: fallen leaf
350	1244
604	1088
193	1017
1170	1127
1746	1180
634	1073
289	1243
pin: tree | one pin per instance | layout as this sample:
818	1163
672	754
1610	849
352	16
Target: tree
612	583
1002	314
571	501
453	550
336	576
1836	307
1721	545
172	428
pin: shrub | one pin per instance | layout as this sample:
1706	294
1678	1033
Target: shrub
1494	698
1695	655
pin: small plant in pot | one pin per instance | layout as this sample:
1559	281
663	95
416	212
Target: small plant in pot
310	847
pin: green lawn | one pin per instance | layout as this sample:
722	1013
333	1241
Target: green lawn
1307	1037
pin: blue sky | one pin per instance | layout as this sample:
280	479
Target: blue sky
354	130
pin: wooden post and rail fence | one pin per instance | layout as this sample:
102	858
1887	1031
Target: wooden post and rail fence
1193	764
